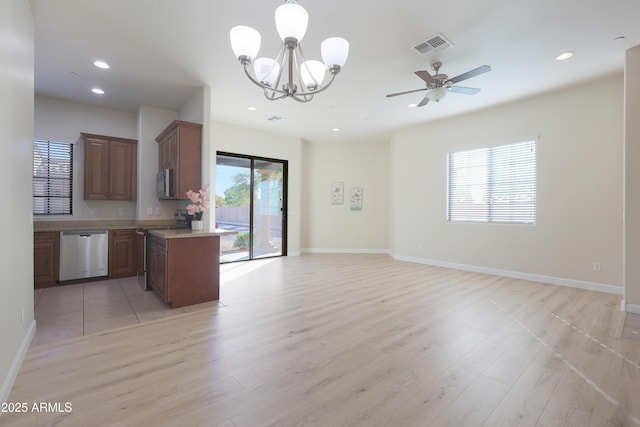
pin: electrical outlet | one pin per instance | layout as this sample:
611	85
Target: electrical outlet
121	211
158	211
92	211
597	266
149	211
22	315
419	246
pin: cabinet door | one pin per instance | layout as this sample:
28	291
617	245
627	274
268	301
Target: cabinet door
122	253
171	161
46	250
167	151
122	171
156	265
188	158
96	169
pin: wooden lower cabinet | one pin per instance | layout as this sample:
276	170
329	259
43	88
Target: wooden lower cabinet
46	258
123	253
157	265
184	271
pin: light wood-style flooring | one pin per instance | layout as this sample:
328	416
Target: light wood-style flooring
349	339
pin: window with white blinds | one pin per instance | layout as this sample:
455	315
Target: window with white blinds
52	178
493	184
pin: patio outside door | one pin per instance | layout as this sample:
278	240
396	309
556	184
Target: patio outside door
251	202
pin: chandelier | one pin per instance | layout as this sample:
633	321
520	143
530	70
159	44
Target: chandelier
289	74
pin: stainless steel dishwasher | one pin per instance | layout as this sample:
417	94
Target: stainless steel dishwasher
84	254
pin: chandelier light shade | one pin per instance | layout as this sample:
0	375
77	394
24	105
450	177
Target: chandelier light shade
312	73
245	41
289	74
291	21
335	51
266	70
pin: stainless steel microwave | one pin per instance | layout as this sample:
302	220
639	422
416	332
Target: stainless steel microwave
163	184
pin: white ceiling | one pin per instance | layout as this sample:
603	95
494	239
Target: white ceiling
162	51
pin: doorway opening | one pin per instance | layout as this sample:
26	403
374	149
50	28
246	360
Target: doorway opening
251	201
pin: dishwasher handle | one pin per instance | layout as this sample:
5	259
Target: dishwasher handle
83	233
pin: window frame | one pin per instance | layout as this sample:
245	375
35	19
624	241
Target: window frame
49	177
489	211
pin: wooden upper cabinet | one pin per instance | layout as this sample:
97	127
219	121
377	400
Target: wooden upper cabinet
122	170
96	169
110	167
180	149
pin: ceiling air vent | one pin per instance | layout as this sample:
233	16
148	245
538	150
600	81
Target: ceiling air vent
437	43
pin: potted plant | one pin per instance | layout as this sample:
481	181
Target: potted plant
199	203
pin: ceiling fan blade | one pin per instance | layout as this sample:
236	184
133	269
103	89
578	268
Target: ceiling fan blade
472	73
424	75
404	93
424	102
465	90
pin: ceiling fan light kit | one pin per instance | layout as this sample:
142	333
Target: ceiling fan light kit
438	85
437	93
289	75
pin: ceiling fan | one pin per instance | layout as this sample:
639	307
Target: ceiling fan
438	85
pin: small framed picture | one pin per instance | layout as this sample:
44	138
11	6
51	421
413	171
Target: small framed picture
337	193
356	199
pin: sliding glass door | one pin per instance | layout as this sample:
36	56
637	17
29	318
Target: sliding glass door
251	202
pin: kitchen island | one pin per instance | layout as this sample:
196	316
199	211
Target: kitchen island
183	266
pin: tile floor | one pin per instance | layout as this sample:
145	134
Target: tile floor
71	311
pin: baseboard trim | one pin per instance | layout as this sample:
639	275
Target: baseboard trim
591	286
7	384
632	308
344	251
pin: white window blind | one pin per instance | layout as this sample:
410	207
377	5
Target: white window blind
52	178
493	184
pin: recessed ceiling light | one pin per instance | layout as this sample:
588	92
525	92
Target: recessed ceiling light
565	55
335	129
251	108
101	64
97	91
412	105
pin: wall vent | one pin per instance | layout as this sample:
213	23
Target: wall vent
436	43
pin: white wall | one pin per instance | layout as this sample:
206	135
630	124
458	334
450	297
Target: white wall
16	134
335	228
151	122
242	140
632	180
63	121
579	188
